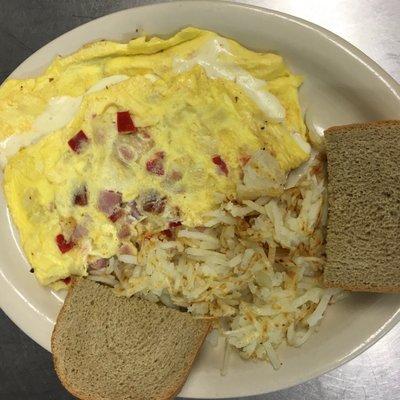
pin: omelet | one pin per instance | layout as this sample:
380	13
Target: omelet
148	131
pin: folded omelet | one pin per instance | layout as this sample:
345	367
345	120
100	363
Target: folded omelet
152	128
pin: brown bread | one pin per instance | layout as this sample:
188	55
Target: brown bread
363	238
112	348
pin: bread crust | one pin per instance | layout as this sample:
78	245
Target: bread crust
178	389
346	128
360	288
170	393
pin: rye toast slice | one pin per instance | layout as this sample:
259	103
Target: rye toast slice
107	347
363	235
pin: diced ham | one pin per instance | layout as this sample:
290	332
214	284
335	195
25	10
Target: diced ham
116	215
80	196
174	224
124	232
78	142
109	201
155	166
63	244
220	163
125	153
168	233
153	202
125	123
127	249
79	232
99	263
133	210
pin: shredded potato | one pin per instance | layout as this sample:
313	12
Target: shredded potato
257	261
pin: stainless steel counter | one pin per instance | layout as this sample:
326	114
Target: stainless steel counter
371	25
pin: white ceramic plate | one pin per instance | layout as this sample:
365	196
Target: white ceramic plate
342	85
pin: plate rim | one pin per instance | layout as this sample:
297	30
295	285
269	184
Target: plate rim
350	49
345	45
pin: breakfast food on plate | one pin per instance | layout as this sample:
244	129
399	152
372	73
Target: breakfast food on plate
172	125
109	347
177	170
363	239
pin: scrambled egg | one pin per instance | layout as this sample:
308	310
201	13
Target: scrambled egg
190	134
